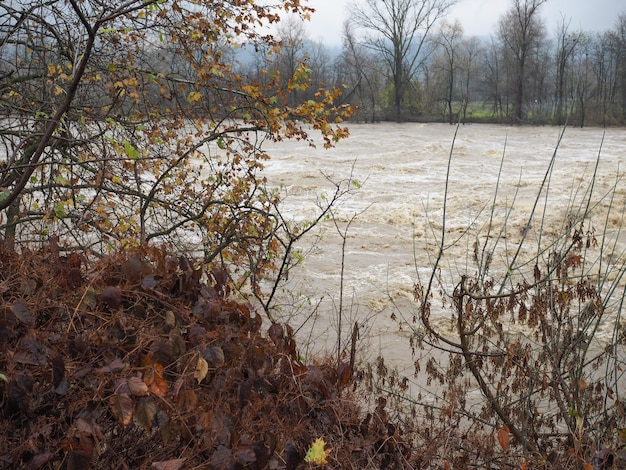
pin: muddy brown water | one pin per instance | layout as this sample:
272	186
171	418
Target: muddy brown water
396	214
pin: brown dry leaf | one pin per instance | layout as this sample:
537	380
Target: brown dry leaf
214	356
115	365
58	370
173	464
111	296
153	377
202	368
187	400
504	435
138	387
30	351
276	333
122	408
145	412
22	312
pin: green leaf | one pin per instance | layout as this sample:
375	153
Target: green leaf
131	152
59	211
4	377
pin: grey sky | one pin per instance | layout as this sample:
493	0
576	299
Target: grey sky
479	17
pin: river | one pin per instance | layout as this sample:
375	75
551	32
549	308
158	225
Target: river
396	212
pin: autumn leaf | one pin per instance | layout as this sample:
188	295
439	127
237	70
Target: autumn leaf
173	464
316	453
22	312
202	368
194	96
138	387
153	377
504	435
122	408
145	412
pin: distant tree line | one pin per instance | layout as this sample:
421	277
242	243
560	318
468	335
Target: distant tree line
402	60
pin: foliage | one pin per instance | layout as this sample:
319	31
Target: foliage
316	453
143	361
127	122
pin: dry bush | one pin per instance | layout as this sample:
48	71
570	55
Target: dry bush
143	360
523	363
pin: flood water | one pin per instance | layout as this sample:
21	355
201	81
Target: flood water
395	214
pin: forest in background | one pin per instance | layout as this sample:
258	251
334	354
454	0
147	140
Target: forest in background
406	63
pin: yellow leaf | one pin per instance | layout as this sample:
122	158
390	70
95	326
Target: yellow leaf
202	368
194	96
316	453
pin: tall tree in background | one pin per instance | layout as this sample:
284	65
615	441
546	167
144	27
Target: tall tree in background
291	56
567	42
449	41
398	31
521	31
361	71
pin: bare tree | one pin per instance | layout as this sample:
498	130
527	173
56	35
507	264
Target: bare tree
450	36
567	42
292	35
362	71
399	30
521	32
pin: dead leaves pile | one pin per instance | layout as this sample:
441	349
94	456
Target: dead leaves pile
144	361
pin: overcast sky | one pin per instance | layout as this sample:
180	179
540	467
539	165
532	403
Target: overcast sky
479	17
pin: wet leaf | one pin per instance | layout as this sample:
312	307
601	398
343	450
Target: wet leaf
276	333
196	333
122	408
145	412
138	387
58	370
62	387
30	351
245	455
202	368
214	356
292	457
40	460
78	460
111	297
173	464
149	282
222	458
115	365
187	400
22	312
